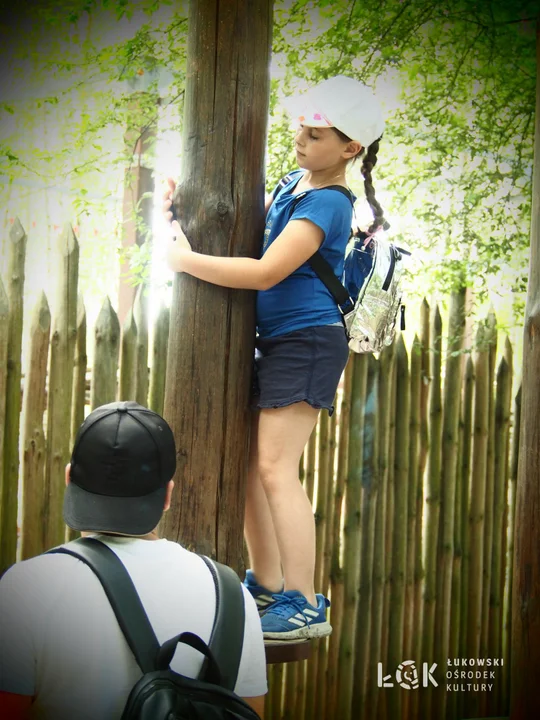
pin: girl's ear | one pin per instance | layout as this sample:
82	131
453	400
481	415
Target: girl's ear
353	149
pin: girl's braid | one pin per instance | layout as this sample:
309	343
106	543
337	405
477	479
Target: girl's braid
368	163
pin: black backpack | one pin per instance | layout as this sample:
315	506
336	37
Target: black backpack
161	693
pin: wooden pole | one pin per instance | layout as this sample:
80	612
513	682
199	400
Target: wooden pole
33	469
4	344
507	604
159	361
336	572
363	670
452	386
140	313
462	525
78	401
10	477
381	557
220	203
351	541
525	698
399	542
432	508
422	459
477	505
503	402
106	350
128	359
60	387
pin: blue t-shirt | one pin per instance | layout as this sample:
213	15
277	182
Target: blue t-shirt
302	300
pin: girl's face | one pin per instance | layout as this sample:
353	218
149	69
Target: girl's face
321	148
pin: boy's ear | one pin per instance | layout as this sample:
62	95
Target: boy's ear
68	471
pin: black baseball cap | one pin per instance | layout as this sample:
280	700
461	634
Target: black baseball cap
123	458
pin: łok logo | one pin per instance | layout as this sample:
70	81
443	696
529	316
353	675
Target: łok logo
407	676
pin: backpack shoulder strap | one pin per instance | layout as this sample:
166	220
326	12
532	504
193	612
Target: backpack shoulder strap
322	267
122	595
284	181
227	638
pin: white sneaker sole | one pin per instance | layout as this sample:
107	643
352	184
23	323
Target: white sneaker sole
308	632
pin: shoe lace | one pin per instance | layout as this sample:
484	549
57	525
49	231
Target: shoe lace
282	604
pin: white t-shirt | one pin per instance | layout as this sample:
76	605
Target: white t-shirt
60	640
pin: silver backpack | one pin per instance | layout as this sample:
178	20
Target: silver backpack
369	294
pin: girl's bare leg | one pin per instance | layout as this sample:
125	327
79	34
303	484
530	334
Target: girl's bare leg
282	436
259	530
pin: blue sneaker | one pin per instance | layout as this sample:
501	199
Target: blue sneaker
263	596
291	617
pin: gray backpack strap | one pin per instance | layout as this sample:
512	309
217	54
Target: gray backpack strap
122	595
227	639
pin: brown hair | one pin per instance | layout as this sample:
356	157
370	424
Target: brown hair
368	163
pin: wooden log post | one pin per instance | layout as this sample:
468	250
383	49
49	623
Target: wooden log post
463	525
384	700
289	704
423	449
140	313
78	400
128	359
4	343
336	572
477	505
432	508
159	360
10	479
414	539
525	698
449	457
503	402
106	351
351	541
324	584
60	387
370	489
79	372
507	606
377	651
399	542
220	203
491	339
33	469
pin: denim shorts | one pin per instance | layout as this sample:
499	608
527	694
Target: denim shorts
303	365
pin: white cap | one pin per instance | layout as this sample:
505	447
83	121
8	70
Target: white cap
343	103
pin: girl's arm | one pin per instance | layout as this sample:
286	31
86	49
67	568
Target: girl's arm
292	248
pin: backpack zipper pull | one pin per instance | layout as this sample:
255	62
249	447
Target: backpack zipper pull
402	318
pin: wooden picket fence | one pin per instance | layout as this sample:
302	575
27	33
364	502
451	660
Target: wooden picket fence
412	481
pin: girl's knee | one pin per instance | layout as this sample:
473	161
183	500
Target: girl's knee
276	475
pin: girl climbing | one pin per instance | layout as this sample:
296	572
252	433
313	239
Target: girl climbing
301	345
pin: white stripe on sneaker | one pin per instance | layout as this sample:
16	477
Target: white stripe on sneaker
313	613
296	622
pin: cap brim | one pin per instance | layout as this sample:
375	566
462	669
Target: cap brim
302	111
87	512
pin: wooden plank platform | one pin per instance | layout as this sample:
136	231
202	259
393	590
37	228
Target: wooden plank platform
283	652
